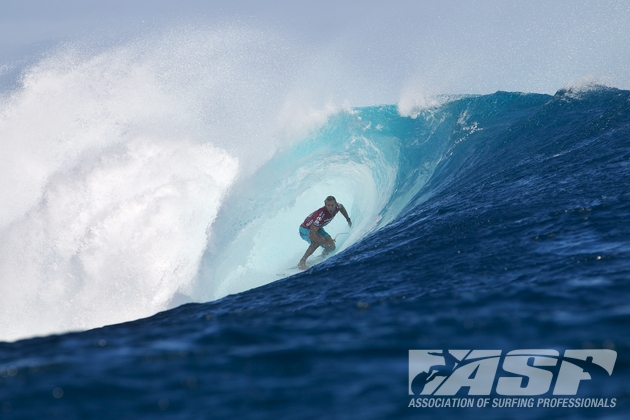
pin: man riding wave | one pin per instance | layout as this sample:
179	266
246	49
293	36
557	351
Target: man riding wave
312	229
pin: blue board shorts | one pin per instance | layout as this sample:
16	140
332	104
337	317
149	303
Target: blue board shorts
304	232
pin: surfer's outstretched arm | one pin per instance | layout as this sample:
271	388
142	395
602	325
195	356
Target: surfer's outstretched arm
343	211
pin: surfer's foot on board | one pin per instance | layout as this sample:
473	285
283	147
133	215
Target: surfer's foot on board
302	265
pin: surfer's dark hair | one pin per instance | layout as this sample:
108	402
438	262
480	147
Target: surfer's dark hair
330	198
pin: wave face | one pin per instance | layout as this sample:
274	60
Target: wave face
368	158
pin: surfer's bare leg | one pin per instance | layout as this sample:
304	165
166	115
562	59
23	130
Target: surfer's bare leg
329	246
317	240
311	248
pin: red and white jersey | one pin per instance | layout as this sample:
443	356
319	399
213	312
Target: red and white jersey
320	217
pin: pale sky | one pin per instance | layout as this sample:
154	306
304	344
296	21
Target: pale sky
434	47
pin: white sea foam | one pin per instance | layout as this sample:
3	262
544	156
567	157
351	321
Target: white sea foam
575	89
115	162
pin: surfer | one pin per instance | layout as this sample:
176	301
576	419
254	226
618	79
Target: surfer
312	229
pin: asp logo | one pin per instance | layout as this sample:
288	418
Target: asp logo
529	372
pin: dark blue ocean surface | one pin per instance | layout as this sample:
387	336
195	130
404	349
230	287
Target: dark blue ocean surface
507	228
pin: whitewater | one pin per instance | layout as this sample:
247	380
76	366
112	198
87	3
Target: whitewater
152	191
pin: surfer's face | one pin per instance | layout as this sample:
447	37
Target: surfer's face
330	206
